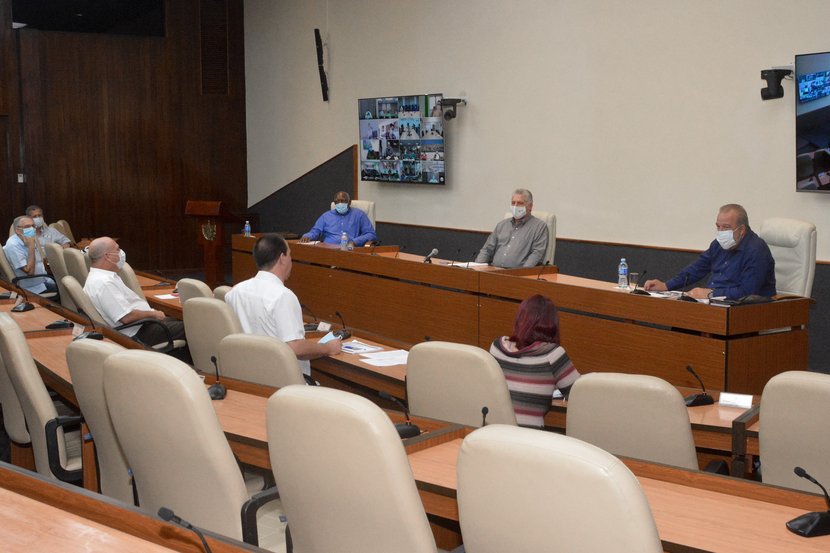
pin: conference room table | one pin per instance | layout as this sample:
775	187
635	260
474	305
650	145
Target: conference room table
386	293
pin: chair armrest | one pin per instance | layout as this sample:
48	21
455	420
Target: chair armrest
151	321
52	451
249	511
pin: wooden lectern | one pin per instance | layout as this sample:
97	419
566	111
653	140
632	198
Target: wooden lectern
212	217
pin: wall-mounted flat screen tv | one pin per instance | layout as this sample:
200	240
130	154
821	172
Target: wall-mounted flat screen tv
402	139
812	122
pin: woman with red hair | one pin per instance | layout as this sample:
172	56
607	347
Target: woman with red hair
533	362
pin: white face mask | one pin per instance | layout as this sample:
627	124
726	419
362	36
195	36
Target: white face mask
38	222
122	258
519	211
726	239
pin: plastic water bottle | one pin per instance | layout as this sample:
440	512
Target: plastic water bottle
246	230
622	274
344	241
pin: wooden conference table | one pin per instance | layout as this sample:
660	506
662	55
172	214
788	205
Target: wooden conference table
388	293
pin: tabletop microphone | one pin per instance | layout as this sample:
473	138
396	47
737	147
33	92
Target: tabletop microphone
813	524
24	305
92	334
484	411
430	255
342	333
310	327
696	400
637	291
683	296
542	270
375	244
217	389
457	255
168	515
400	249
405	429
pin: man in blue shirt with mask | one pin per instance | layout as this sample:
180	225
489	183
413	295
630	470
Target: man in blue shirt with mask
25	258
739	261
331	224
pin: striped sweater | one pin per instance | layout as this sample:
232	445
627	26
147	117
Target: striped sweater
532	374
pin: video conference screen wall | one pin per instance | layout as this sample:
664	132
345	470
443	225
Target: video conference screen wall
812	122
402	139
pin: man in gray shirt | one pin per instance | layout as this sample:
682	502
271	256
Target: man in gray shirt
520	241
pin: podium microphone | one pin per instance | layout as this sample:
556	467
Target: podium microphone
342	333
217	389
542	270
430	255
405	429
811	525
696	400
92	334
169	516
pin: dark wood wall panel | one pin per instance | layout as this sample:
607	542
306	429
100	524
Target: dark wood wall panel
118	135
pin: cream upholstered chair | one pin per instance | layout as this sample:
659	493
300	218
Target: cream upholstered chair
85	306
13	419
795	408
452	382
128	277
192	288
57	452
63	227
206	322
220	291
54	254
76	265
86	366
793	246
366	207
174	444
6	268
260	359
338	496
521	489
550	220
632	415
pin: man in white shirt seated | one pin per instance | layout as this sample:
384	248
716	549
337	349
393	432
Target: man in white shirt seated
118	304
45	233
267	308
25	257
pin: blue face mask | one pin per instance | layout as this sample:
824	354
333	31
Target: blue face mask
29	232
341	208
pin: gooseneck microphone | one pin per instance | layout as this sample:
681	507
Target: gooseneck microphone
169	516
542	270
92	334
484	411
342	333
638	291
683	296
375	244
310	327
430	255
400	249
217	389
24	305
811	525
405	429
695	400
457	254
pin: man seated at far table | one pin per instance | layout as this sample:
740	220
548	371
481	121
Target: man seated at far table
739	261
25	257
331	224
519	241
266	307
118	304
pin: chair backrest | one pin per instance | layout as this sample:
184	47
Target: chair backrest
312	432
86	366
13	419
452	382
206	322
260	359
793	247
366	207
521	489
6	268
82	301
38	408
795	408
632	415
220	291
11	230
54	255
192	288
172	439
63	227
76	264
128	277
550	220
